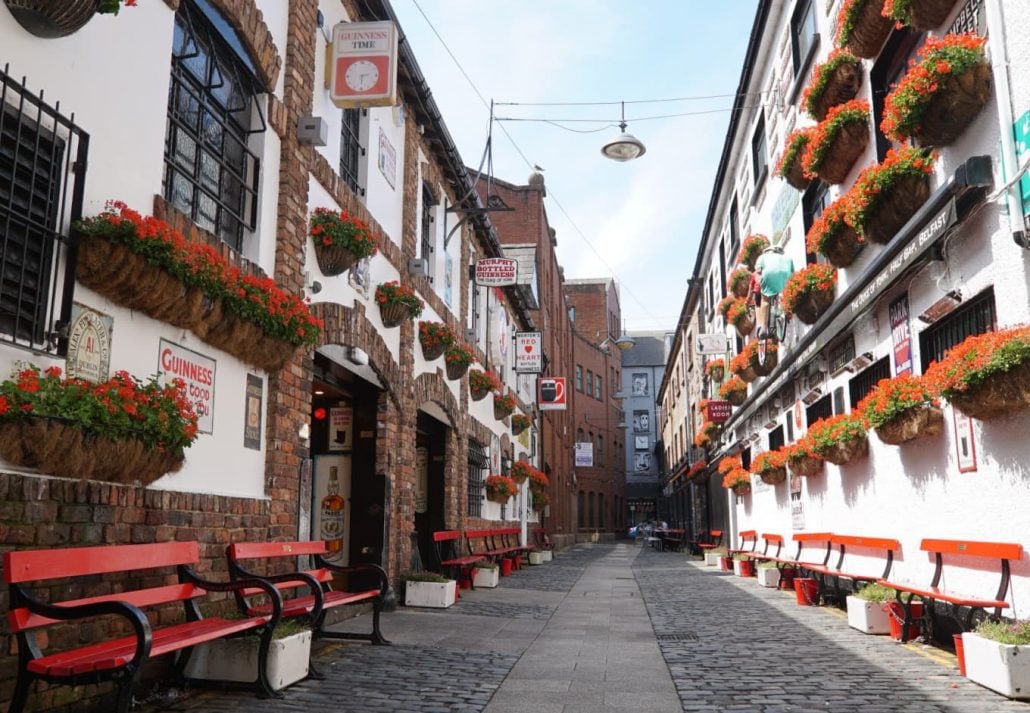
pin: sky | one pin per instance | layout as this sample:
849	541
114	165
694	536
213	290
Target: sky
639	221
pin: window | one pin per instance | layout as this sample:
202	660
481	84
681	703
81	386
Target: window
600	510
579	378
722	267
590	511
864	381
579	435
776	438
478	462
582	509
600	450
813	203
802	34
734	229
351	150
590	383
210	173
758	158
37	148
841	353
888	69
823	408
975	317
597	386
428	236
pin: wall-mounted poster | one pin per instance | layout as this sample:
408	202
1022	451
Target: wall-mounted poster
640	386
448	280
89	344
640	443
965	443
198	373
252	412
797	505
341	427
641	421
641	462
387	159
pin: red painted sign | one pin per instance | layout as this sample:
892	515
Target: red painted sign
901	334
553	394
719	411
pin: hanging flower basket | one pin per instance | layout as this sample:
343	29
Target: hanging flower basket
861	27
922	422
885	196
810	292
919	14
751	249
738	480
741	367
789	166
830	235
834	82
806	465
837	142
942	93
771	467
763	365
519	423
901	409
986	376
435	338
340	240
458	357
723	308
500	488
716	369
53	18
734	391
397	303
742	316
742	489
481	383
520	472
738	281
840	439
504	406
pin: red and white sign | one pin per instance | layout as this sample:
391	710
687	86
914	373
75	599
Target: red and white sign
901	335
719	411
496	271
362	64
553	394
529	352
198	373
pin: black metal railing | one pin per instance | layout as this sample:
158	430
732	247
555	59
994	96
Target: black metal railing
351	150
863	382
42	173
975	317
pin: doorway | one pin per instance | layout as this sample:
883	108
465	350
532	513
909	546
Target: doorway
430	475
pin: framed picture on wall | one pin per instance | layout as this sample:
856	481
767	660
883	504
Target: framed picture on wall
965	443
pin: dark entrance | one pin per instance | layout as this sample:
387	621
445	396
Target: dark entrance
430	458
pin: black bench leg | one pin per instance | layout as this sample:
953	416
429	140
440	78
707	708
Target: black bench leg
377	634
21	691
315	673
124	704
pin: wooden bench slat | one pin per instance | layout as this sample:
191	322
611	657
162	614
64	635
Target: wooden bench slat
445	535
772	539
299	606
812	537
112	654
255	550
39	565
877	543
1002	550
937	593
22	619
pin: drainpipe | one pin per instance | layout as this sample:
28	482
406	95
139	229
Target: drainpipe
1000	69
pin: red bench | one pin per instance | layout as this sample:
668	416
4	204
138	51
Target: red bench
745	537
707	540
491	545
116	657
770	539
825	573
954	549
541	540
448	552
316	579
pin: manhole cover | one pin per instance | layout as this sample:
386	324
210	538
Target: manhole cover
681	636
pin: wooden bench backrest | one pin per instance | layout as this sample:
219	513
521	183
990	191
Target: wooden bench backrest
1002	550
21	619
771	539
890	546
38	565
256	550
444	535
803	538
483	536
748	536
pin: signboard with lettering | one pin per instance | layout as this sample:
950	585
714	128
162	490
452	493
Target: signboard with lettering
252	412
901	335
341	427
496	271
719	411
529	352
89	344
711	344
362	64
584	455
197	372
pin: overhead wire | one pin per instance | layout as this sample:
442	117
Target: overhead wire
617	102
531	165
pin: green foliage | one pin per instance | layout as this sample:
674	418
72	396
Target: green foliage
425	577
1006	631
876	593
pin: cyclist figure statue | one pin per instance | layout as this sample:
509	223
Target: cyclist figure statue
773	269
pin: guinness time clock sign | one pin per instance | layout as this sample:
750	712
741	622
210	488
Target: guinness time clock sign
362	64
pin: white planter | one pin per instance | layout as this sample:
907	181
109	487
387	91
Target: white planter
736	567
438	595
536	557
768	576
712	559
1000	667
237	660
868	617
483	577
547	555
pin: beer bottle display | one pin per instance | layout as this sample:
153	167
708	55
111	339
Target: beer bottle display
332	517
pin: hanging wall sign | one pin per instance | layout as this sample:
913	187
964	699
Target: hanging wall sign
552	394
252	412
197	372
584	455
529	352
89	344
496	271
901	335
362	62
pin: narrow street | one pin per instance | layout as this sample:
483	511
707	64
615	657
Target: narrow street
608	628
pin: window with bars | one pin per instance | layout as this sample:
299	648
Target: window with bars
428	241
864	381
478	462
42	166
210	173
351	149
975	317
823	408
813	203
776	438
841	353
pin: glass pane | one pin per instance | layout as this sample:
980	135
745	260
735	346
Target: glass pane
209	172
184	150
207	212
182	193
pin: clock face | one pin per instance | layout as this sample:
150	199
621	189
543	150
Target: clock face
361	76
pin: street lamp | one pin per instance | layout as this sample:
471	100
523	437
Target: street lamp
624	147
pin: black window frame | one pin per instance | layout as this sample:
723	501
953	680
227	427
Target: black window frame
207	139
478	463
352	151
889	67
427	242
734	228
776	438
43	159
802	50
823	408
814	201
977	316
863	382
759	153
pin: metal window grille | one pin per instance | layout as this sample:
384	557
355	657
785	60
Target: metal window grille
823	408
351	150
210	173
864	381
478	462
776	438
975	317
970	19
428	201
42	172
841	353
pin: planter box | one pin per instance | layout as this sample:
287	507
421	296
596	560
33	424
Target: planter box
868	617
736	568
438	595
237	660
547	555
536	557
1000	667
769	576
712	559
483	577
